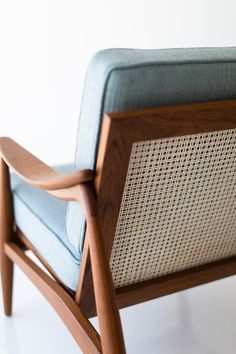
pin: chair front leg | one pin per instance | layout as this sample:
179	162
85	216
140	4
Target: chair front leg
6	234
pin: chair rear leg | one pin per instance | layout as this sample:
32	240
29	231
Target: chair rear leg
6	232
7	284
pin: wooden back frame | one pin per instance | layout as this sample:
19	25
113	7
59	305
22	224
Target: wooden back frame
119	132
101	198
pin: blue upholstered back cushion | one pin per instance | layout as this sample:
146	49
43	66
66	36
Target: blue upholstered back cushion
128	79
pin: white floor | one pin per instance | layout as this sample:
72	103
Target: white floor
197	321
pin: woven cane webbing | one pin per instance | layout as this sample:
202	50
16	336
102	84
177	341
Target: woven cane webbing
178	208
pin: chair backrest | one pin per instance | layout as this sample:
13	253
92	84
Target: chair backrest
166	186
166	194
121	80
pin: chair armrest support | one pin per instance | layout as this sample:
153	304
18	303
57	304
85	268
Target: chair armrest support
35	172
107	310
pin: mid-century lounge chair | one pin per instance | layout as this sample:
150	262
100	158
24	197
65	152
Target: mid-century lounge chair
151	206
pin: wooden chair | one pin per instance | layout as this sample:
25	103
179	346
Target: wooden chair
160	215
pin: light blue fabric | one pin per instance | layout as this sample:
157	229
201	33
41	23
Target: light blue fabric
42	219
128	79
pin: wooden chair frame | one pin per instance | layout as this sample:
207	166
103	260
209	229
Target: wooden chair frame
101	202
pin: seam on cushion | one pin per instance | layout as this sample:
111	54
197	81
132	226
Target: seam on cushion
161	61
172	63
165	49
49	228
81	229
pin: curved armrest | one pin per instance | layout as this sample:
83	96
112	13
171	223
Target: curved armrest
35	172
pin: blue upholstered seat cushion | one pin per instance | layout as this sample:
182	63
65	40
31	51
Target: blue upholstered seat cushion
42	219
126	79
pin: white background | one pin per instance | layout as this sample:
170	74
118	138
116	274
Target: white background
45	47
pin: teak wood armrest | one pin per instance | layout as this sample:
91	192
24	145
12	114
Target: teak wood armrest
35	172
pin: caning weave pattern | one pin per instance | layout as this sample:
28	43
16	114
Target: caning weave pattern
178	207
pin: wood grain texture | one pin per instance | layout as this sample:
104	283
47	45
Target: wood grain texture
85	291
6	234
35	172
165	285
107	310
121	130
78	325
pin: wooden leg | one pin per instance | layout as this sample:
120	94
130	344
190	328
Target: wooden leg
6	232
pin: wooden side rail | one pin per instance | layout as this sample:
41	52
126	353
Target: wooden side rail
77	187
79	326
